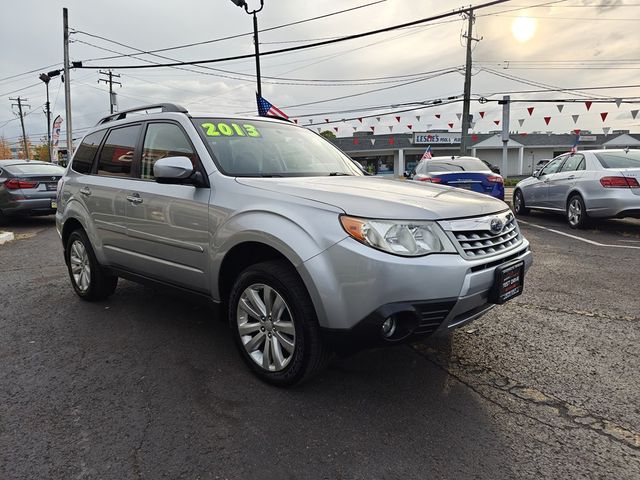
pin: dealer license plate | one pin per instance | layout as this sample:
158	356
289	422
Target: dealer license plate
509	282
54	204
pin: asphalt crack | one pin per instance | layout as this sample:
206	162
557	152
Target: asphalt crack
585	313
549	406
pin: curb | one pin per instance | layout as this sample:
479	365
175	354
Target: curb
6	237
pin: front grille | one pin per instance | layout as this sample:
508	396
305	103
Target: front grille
475	239
431	316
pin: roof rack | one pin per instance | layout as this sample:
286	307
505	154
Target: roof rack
164	107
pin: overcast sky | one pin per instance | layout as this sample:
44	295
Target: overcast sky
576	43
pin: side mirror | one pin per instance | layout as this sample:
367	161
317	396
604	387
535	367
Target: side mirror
536	173
495	169
172	169
406	174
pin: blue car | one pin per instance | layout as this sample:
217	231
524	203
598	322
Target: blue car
469	173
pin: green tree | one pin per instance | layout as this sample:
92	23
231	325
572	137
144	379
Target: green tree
327	134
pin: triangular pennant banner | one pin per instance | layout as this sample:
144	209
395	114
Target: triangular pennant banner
497	122
618	102
378	119
560	107
354	128
606	130
295	120
450	125
326	120
521	121
547	120
634	113
472	124
575	118
603	115
459	115
319	129
417	118
360	119
530	110
336	129
391	128
373	129
481	114
398	119
437	115
373	141
588	105
311	120
410	127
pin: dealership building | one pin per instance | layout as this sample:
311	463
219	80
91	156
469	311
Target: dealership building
397	153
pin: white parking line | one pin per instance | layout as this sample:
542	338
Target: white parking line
591	242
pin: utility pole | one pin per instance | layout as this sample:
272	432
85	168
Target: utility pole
110	81
67	81
20	104
47	110
466	119
505	102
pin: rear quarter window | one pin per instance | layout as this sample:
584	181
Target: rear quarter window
83	159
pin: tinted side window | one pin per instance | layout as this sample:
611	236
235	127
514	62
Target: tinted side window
116	156
164	140
83	159
573	163
553	166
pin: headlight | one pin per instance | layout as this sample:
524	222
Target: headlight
403	237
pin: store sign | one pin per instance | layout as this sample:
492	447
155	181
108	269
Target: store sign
588	138
436	138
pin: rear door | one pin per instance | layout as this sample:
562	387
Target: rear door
104	191
561	183
167	224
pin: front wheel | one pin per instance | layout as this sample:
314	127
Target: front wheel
518	203
577	212
88	278
275	325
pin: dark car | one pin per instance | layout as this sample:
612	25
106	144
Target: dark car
28	187
469	173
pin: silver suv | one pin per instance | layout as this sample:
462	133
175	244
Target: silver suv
304	253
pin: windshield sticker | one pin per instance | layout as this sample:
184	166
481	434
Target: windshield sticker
230	130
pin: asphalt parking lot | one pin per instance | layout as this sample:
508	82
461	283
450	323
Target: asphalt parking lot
147	385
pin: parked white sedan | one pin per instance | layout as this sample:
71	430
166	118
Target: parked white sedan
584	185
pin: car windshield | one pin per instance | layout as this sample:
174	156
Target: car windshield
457	165
255	148
624	159
34	169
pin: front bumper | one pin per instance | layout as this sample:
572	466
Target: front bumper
355	288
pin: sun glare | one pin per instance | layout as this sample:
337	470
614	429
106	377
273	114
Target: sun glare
524	28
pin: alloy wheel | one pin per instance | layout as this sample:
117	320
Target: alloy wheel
574	213
266	327
80	267
518	202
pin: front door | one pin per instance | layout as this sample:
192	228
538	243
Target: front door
168	225
559	187
539	192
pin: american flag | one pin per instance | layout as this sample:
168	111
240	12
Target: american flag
265	109
574	148
427	154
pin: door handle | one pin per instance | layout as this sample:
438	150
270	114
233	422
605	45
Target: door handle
85	191
571	177
134	199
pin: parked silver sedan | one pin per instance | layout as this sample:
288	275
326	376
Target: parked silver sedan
28	187
584	185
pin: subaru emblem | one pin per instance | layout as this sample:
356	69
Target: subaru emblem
496	225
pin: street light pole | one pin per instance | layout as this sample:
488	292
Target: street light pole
45	78
243	4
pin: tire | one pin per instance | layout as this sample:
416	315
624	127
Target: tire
283	349
518	203
577	212
88	278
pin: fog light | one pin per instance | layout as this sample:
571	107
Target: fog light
389	327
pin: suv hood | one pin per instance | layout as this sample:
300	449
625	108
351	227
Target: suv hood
383	198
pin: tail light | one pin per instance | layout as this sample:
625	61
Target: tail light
619	182
495	179
430	179
16	183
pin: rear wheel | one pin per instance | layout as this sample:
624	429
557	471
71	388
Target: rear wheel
577	212
274	324
89	280
518	203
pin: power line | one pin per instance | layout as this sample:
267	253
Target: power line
304	47
30	71
205	42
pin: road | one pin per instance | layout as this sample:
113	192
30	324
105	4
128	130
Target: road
146	385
